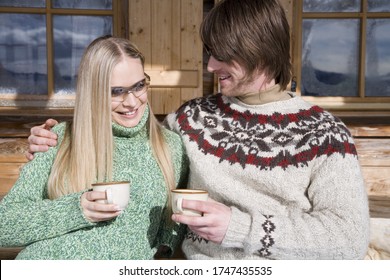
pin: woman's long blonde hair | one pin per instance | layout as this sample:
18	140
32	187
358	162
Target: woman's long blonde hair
85	155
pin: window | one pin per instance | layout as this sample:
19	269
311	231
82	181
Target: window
342	53
41	47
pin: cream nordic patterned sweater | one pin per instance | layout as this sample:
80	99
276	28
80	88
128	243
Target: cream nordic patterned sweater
288	170
57	229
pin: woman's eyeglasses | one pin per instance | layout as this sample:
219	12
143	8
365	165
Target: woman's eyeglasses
119	94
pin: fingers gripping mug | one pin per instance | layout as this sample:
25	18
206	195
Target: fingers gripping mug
116	193
190	194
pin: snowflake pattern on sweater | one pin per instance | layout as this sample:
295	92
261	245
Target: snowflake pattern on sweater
245	138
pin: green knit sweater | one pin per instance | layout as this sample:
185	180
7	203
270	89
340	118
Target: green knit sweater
57	229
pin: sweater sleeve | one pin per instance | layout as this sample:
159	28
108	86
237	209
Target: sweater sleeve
171	235
170	122
27	215
336	227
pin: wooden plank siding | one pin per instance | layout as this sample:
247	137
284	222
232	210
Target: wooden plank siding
11	160
167	32
374	157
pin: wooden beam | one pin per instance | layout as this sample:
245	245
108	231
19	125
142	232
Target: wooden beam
173	78
379	206
369	130
374	152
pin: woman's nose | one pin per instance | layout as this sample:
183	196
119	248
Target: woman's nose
130	100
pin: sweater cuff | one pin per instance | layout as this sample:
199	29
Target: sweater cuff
238	229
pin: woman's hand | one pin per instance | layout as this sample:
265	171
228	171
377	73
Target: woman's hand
95	211
41	138
214	222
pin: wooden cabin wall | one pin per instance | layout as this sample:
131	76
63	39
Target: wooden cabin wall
167	32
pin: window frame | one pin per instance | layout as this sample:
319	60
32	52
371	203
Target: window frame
61	104
346	105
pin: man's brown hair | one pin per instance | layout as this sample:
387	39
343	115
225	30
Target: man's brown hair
254	33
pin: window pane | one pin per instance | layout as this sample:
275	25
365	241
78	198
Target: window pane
378	57
23	66
72	34
83	4
378	5
331	6
330	57
23	3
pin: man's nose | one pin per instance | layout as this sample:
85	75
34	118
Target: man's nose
212	64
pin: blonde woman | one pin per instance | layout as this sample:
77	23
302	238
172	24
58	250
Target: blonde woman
113	136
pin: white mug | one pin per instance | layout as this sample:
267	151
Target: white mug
116	193
191	194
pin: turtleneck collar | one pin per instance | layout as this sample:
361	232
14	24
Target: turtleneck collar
272	94
128	132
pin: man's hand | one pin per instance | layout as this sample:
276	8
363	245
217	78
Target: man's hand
41	138
214	222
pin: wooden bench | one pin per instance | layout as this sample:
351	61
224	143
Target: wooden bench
373	146
372	137
372	142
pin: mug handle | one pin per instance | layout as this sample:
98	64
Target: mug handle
179	201
109	196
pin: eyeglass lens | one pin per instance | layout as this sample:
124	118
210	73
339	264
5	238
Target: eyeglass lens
138	89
